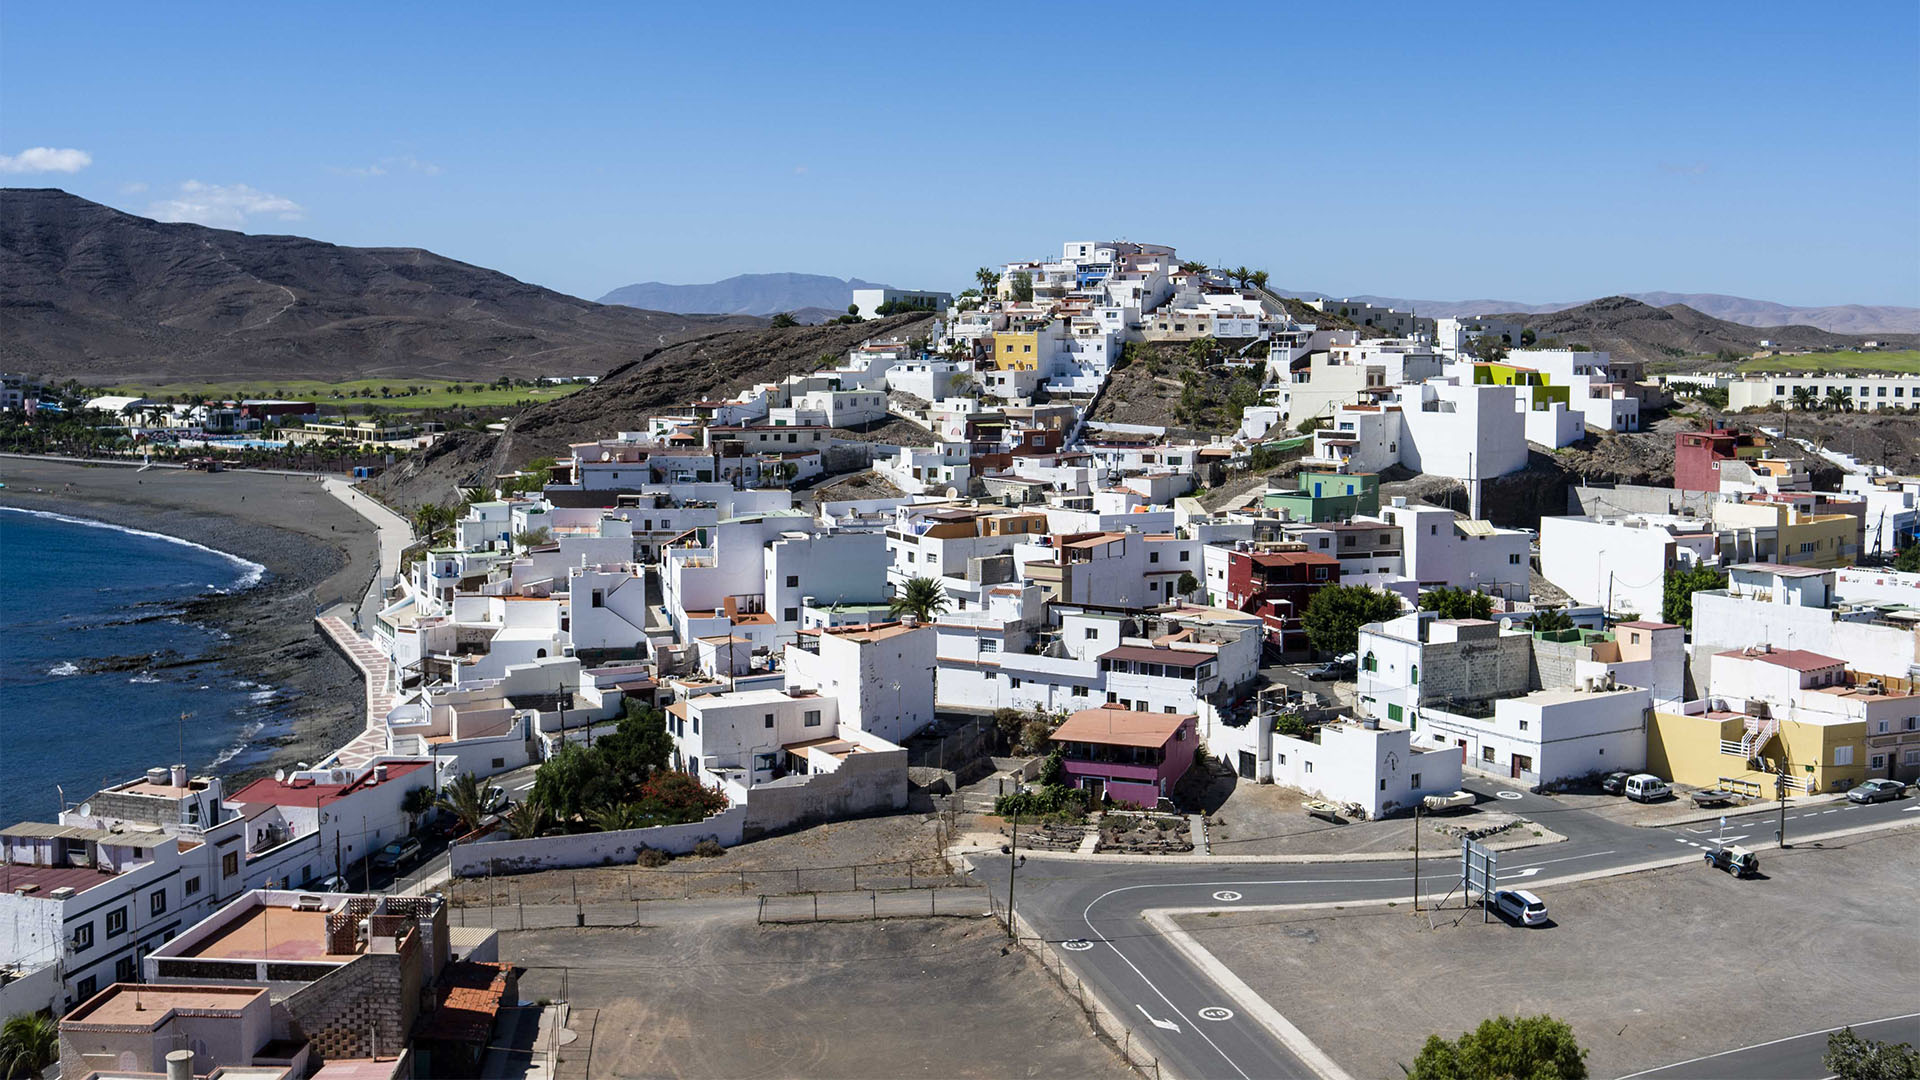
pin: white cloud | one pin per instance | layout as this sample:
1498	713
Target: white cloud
45	159
397	163
225	206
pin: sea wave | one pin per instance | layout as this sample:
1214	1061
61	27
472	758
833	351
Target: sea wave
240	745
145	678
250	572
64	667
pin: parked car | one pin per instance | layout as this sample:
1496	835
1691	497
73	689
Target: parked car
496	800
397	854
1874	791
331	883
1737	861
1332	671
1646	787
1521	906
1615	783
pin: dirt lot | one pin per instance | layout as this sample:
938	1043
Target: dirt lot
1267	819
1649	968
716	998
878	852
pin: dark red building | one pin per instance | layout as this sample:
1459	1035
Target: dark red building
1276	586
1697	455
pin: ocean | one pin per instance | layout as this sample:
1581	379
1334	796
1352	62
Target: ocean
98	666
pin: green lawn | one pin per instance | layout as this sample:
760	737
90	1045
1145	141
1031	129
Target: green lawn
1905	362
402	395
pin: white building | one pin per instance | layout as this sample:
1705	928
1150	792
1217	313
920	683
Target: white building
869	301
1548	735
1797	607
1367	762
1865	391
882	675
1442	549
1621	563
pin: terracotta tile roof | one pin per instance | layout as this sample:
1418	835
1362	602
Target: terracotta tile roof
466	1002
1797	659
1120	727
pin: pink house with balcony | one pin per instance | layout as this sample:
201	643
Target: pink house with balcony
1130	757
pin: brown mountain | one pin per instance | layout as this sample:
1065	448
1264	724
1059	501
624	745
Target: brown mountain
90	291
664	380
1631	329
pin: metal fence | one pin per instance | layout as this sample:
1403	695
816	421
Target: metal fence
1106	1023
574	888
962	902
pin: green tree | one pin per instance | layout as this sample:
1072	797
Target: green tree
1023	287
1488	348
1259	279
532	477
1851	1057
1292	725
923	598
988	278
415	802
1456	603
29	1045
639	747
1547	622
533	538
1840	399
1504	1048
528	819
466	799
1908	561
1805	397
1677	599
1188	584
783	320
573	782
1194	267
1528	337
1337	612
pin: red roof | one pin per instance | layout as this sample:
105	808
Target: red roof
1797	659
1120	727
269	791
469	998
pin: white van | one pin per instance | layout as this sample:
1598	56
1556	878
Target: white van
1646	787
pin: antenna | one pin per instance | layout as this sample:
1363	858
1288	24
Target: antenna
183	736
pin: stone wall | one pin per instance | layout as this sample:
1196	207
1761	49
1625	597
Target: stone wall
365	1007
594	849
1636	499
864	784
1477	670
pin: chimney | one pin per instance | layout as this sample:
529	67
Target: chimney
379	774
179	1065
179	776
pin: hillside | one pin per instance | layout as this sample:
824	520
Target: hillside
744	294
1836	318
91	292
660	381
1631	329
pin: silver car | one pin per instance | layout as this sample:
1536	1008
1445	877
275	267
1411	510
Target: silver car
1874	791
1521	906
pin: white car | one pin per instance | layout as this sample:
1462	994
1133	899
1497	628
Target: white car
1521	906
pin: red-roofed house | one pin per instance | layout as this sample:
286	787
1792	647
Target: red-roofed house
1131	757
320	822
1276	585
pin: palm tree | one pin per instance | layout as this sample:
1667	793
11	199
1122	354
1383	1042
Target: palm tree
526	820
988	279
1547	621
29	1044
466	800
1840	399
1259	279
415	802
923	598
1194	267
1241	274
1805	397
615	817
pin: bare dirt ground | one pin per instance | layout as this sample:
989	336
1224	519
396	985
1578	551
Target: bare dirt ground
1648	968
1268	819
724	999
854	486
879	852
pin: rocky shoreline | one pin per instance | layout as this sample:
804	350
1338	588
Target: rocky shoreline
316	551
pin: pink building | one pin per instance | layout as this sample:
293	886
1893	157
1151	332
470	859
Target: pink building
1130	757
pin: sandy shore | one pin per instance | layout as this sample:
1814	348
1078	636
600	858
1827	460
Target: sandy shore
316	550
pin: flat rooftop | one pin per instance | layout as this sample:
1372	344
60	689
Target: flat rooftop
270	933
40	881
140	1005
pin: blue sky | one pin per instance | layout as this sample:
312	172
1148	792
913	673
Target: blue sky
1528	152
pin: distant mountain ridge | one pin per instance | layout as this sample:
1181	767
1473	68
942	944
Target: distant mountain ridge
1834	318
1630	329
90	291
744	294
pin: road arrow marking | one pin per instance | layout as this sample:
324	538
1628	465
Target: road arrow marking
1528	872
1910	809
1166	1025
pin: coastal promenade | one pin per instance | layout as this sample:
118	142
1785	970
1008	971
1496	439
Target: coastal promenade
393	532
377	670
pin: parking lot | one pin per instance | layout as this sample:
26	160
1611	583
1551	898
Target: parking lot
1649	968
709	997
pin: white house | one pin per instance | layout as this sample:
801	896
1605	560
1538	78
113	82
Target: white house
1621	563
1367	762
882	675
1548	735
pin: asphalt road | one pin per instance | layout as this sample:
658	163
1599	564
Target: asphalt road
1094	913
1796	1057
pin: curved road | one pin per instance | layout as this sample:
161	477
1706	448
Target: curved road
1096	914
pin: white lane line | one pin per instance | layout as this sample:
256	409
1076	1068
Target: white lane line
1770	1042
524	786
1086	916
1570	858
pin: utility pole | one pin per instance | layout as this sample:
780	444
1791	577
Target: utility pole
1416	853
1780	789
1013	860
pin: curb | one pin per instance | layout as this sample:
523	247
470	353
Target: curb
1752	807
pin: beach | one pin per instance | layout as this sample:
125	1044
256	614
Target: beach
317	551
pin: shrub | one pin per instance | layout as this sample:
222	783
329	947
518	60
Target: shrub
652	858
1043	802
709	849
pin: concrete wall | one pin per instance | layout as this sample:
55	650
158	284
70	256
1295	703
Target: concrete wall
598	849
864	784
363	1008
1591	501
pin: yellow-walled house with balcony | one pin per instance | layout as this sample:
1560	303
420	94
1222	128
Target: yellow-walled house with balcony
1016	351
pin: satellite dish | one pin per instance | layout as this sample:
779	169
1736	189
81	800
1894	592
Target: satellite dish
279	776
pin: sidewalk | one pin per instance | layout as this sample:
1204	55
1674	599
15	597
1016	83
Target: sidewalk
394	533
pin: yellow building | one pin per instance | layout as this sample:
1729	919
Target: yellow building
1016	352
1824	541
1716	749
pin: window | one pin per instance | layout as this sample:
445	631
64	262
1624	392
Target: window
1153	556
812	718
83	937
1383	784
793	581
1013	682
1877	761
1523	725
1882	728
1415	781
1186	556
192	887
1910	757
499	763
1307	765
157	903
1323	541
1433	530
86	987
116	922
988	644
1079	691
1486	754
768	719
791	614
1393	712
1843	755
123	969
599	598
696	725
1413	676
230	864
1369	663
1513	560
